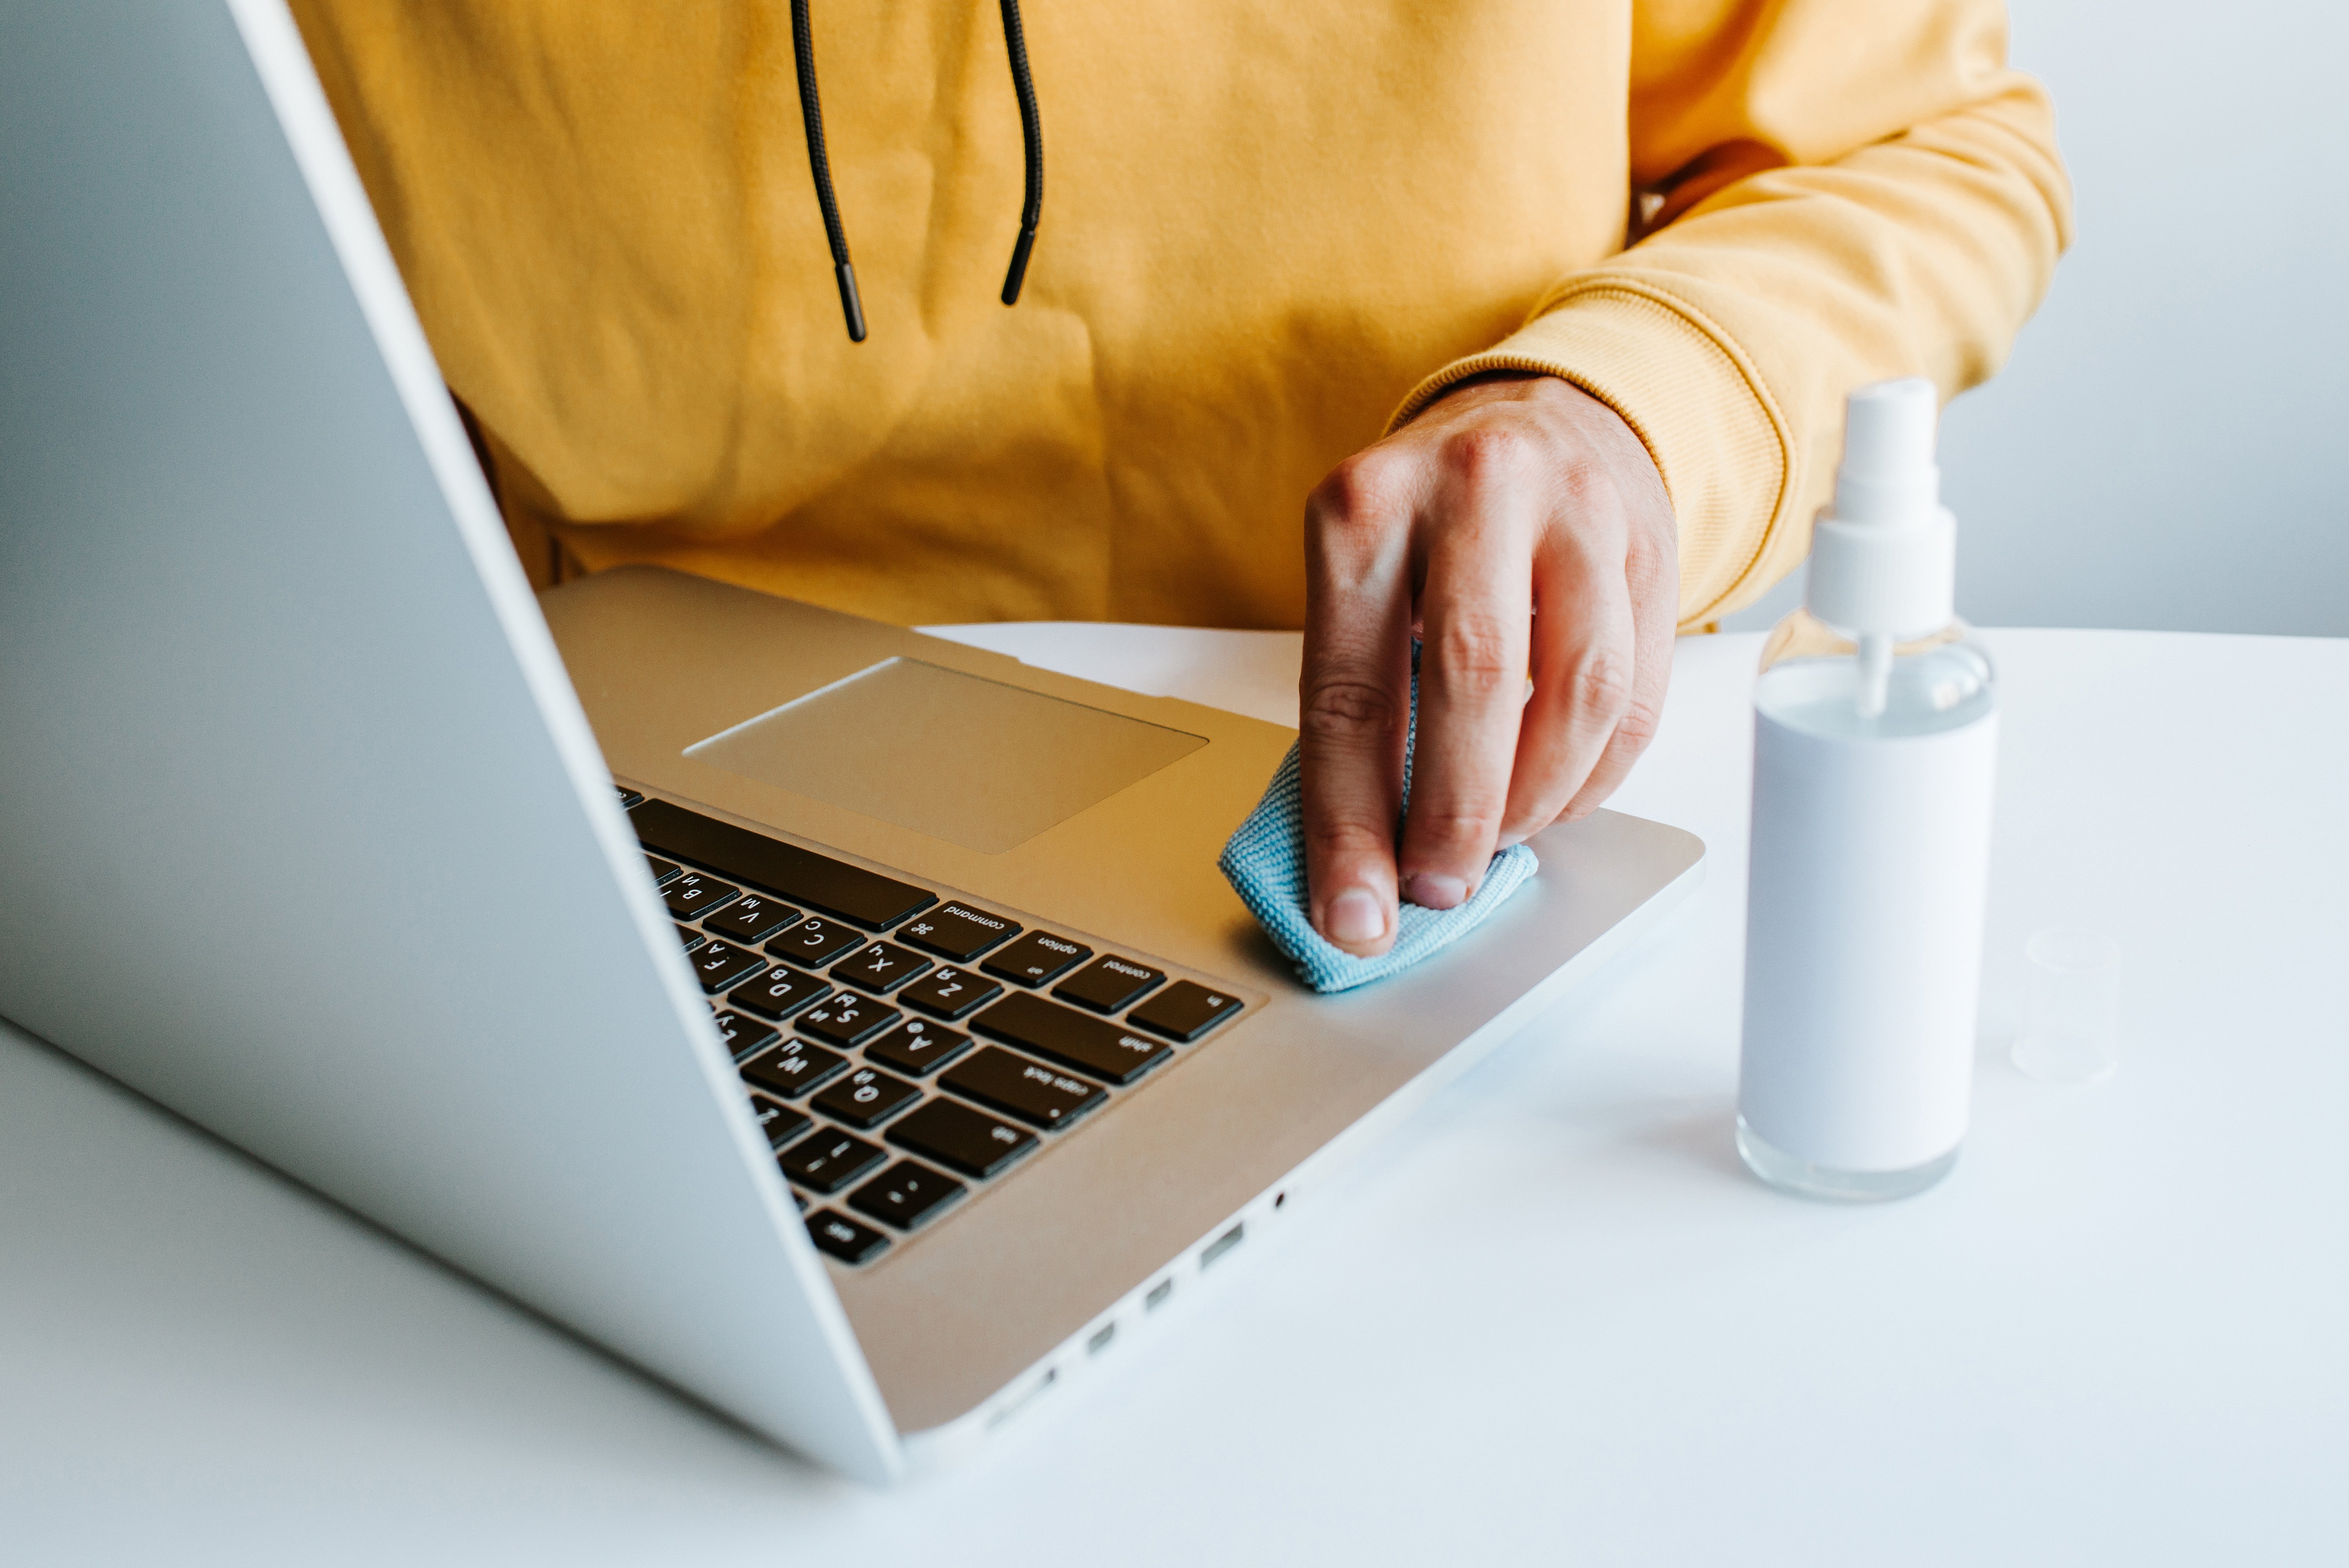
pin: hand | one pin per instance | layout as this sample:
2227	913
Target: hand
1517	526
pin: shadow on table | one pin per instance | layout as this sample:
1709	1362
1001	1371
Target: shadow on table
1705	1139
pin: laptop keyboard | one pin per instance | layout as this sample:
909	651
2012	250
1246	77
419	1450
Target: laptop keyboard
900	1049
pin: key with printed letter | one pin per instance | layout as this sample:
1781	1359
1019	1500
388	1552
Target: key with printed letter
743	1033
696	893
754	917
950	994
793	1070
718	965
780	1122
779	992
815	942
865	1098
845	1019
916	1046
879	967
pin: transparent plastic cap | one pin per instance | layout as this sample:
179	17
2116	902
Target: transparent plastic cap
2070	1012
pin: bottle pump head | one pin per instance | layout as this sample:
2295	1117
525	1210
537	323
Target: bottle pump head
1884	555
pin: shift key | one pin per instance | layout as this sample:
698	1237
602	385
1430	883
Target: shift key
1036	1094
1090	1045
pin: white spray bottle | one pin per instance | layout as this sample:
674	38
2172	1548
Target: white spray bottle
1875	748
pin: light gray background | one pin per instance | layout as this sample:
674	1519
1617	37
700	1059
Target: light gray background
2169	446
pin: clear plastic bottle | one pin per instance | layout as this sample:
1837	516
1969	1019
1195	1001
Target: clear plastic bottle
1875	757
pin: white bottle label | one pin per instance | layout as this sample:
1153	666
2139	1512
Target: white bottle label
1863	945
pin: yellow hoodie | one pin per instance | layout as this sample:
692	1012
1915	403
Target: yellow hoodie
1271	230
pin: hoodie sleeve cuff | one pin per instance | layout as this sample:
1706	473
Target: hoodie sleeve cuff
1693	396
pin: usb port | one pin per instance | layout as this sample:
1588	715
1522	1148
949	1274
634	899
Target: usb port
1158	1294
1223	1245
1101	1336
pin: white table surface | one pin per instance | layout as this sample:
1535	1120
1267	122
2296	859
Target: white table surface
1550	1321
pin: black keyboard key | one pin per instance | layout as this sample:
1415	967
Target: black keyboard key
718	965
793	1070
1185	1011
950	994
845	891
1038	1095
916	1047
780	993
664	871
842	1237
754	917
879	967
957	932
1106	985
845	1019
629	798
907	1194
781	1123
865	1098
1055	1033
829	1161
690	937
744	1034
815	942
1037	958
961	1139
694	894
801	1199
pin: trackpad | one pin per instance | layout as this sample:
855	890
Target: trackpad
958	756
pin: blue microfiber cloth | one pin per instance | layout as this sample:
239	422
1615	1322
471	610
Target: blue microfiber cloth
1265	863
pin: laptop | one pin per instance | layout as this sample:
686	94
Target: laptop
846	1026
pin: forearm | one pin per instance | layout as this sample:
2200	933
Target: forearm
1728	338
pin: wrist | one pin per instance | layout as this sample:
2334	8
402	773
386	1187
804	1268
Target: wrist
1488	383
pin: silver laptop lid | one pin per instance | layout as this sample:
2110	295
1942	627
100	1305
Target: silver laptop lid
301	831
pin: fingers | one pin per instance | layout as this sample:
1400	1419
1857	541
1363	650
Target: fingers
1585	670
1532	527
1354	695
1474	605
1651	580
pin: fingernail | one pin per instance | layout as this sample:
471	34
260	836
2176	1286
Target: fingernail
1431	891
1356	915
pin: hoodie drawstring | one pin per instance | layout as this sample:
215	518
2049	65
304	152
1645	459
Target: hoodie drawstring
1032	135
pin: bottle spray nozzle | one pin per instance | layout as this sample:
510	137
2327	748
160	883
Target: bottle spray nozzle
1884	556
1888	475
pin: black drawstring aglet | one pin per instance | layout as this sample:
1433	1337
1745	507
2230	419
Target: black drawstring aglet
1032	137
819	166
1012	279
850	305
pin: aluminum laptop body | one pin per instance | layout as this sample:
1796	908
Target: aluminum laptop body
308	828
